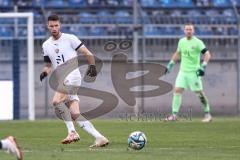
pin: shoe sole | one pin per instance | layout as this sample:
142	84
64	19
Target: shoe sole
170	120
207	121
70	141
103	145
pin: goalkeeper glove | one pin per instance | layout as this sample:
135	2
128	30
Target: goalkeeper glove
201	71
43	75
92	71
169	67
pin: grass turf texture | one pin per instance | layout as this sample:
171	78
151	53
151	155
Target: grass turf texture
185	140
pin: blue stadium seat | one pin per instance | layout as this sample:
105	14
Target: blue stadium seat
39	31
6	3
104	17
22	21
167	30
97	31
122	17
38	18
55	3
194	13
236	2
212	12
112	3
148	3
22	31
111	30
233	31
77	2
38	2
6	21
221	3
151	31
207	30
93	2
83	31
6	31
229	16
179	30
221	31
86	17
126	2
145	18
166	3
184	3
65	29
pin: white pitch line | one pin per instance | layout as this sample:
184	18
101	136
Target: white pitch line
125	149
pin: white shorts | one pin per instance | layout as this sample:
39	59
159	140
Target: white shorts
73	81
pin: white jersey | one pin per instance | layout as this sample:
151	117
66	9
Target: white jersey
62	50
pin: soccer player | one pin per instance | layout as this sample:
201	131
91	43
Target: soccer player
189	51
9	144
57	49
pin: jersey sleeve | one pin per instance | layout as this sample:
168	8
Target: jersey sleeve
44	52
45	55
202	47
75	42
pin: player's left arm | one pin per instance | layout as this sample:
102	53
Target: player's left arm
80	48
90	57
206	59
92	71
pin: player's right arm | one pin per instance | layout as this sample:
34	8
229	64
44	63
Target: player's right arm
175	57
47	66
46	70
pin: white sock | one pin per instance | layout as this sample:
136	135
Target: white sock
89	128
70	126
5	144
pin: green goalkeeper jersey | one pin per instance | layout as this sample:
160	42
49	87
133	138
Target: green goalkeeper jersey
190	51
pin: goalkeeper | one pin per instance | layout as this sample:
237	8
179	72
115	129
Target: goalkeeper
189	52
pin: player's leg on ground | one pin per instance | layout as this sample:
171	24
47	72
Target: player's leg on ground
63	113
177	100
180	86
176	103
86	125
205	106
195	83
9	144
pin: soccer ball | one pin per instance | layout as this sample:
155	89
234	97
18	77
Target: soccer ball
137	140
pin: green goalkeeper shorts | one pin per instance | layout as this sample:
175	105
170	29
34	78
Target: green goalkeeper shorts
188	80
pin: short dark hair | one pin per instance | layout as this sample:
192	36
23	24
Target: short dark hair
53	17
189	24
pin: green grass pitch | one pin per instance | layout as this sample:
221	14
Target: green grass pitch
184	140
